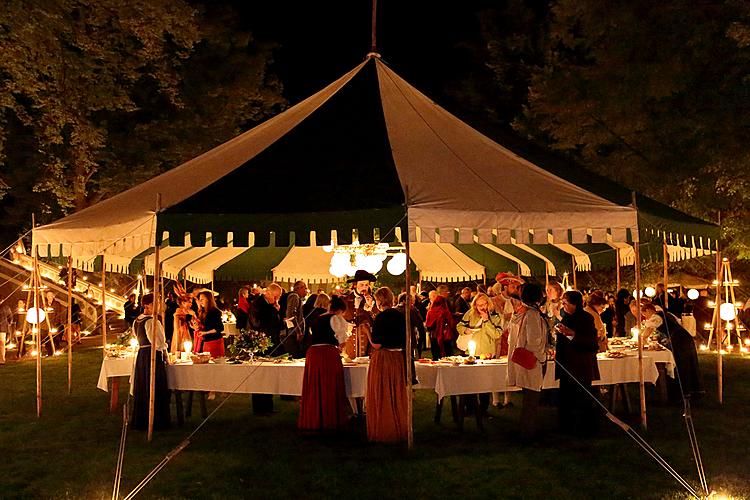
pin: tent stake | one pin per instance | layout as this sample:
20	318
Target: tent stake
154	316
70	324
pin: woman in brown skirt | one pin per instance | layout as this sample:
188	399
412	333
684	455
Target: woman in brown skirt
386	379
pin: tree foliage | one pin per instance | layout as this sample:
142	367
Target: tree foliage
97	95
653	95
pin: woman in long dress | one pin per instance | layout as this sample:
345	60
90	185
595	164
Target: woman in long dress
208	326
386	379
143	328
323	404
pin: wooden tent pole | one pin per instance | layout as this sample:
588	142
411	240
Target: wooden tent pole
409	353
374	40
666	274
641	382
213	278
546	276
617	268
573	264
35	286
719	326
70	324
154	316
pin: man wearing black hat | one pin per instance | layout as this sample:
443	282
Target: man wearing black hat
360	310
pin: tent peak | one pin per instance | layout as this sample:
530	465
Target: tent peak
373	55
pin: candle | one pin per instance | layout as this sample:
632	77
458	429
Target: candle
635	331
472	348
188	347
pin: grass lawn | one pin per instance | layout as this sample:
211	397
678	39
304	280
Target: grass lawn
72	450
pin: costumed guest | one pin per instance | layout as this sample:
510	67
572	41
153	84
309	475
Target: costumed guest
668	332
309	305
577	368
622	309
484	326
132	309
181	320
321	306
480	324
295	319
463	302
208	327
608	316
242	313
386	379
143	327
504	306
527	344
361	310
595	306
442	328
170	306
553	305
417	325
323	404
266	317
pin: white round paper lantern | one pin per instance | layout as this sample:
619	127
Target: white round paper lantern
35	314
373	264
637	294
397	264
727	311
650	291
693	294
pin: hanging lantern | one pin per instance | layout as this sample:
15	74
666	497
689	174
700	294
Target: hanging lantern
693	294
650	291
727	311
637	294
373	264
35	314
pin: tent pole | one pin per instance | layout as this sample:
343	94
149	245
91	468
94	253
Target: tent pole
546	275
35	285
213	278
719	325
617	267
374	39
641	382
70	324
154	316
573	266
409	353
666	275
104	309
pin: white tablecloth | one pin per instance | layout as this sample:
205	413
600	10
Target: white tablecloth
114	367
257	378
448	380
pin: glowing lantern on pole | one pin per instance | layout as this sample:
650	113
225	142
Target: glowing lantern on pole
693	294
35	314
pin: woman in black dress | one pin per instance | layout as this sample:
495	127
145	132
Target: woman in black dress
577	367
143	328
208	327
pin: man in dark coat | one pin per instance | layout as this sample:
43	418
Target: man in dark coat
266	317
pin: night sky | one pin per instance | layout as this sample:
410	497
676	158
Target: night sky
425	42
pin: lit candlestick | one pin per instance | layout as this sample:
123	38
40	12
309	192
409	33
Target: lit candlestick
472	348
188	347
635	331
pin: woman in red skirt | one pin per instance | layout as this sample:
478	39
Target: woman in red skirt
323	405
386	379
208	327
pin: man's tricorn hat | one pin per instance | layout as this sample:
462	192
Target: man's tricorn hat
362	275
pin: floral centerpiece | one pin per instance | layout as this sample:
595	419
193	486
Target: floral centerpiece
249	343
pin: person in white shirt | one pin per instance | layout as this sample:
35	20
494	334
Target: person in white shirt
144	331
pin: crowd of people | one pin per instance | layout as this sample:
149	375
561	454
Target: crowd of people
535	327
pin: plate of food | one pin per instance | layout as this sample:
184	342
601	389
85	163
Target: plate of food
616	354
361	360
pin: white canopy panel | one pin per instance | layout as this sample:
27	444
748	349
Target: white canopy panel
444	262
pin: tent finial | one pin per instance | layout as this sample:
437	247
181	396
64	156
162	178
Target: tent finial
374	38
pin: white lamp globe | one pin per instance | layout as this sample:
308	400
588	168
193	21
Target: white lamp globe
35	314
373	264
397	264
727	311
637	294
337	271
650	291
693	294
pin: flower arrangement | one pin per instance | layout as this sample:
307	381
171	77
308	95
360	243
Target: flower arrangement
249	343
